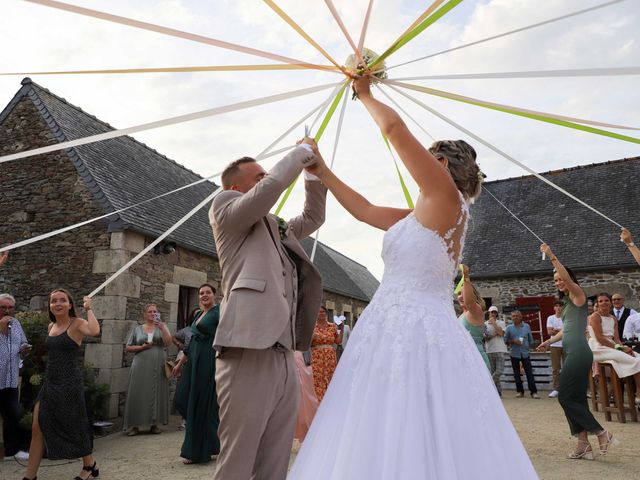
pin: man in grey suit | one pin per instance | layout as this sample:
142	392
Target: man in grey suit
272	293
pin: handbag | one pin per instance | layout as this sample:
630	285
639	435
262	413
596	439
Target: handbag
168	368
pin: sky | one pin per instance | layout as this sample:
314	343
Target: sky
37	38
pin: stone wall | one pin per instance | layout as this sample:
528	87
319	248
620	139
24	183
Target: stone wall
40	194
504	291
342	305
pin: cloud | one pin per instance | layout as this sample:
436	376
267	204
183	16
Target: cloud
43	39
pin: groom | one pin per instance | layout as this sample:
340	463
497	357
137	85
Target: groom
272	293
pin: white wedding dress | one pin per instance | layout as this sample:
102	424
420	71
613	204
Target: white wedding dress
411	397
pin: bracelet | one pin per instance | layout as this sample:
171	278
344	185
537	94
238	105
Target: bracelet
617	346
553	258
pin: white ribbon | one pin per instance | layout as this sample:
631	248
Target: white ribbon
502	154
168	121
517	30
333	158
576	72
156	241
407	114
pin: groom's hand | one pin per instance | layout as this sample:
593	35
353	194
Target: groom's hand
319	168
311	142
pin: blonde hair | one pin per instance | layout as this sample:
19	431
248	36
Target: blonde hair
479	300
146	307
462	165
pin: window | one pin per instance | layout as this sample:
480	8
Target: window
187	303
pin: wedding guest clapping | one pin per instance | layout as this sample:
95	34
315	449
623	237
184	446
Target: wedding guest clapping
606	345
472	318
60	422
572	389
323	354
148	392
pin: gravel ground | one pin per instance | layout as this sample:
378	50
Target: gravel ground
540	423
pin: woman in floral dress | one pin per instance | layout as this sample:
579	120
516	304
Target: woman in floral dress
323	354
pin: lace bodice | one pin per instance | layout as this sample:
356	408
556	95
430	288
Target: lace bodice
419	262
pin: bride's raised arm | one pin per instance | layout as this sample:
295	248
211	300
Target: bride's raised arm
425	168
354	203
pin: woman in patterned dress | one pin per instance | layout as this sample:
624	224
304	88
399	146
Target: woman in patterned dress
60	422
323	355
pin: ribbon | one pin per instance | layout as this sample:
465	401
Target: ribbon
503	154
460	284
512	214
365	25
560	120
173	32
304	34
169	121
54	233
156	241
407	114
333	159
211	68
406	38
423	16
494	37
317	138
405	190
336	16
578	72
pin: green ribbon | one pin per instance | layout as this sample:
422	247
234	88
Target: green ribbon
458	288
533	116
323	127
421	27
405	190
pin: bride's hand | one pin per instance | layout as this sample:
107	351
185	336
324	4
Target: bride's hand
319	168
362	86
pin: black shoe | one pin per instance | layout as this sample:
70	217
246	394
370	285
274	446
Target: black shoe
89	468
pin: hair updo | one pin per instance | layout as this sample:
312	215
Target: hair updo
462	165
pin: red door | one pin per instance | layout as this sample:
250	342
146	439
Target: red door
545	304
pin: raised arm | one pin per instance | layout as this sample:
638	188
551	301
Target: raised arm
91	326
426	170
3	257
313	213
471	301
239	211
576	294
356	204
625	236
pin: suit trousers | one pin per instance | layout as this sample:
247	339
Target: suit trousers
258	394
528	370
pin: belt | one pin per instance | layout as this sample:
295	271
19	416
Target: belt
322	346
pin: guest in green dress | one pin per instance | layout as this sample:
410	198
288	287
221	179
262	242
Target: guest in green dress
196	395
579	358
472	317
148	392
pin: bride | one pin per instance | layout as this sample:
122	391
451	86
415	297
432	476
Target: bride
411	397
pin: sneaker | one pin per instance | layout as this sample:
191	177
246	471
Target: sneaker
22	456
553	394
183	425
519	394
535	396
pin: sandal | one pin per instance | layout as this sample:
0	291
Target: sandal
89	468
583	451
611	440
133	432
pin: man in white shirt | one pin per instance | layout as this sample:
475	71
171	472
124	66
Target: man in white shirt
554	326
494	346
621	312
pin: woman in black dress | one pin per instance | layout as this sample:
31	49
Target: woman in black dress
60	423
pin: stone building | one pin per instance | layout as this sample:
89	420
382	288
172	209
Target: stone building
505	259
50	191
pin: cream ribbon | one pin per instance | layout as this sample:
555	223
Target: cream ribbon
168	121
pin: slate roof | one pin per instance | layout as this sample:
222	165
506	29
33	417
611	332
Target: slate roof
122	171
497	245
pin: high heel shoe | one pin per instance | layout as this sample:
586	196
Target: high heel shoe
583	452
611	440
89	468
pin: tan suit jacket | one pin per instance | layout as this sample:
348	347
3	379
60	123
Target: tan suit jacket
255	311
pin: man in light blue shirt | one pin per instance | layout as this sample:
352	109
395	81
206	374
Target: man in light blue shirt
519	336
